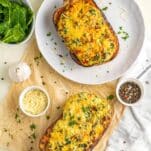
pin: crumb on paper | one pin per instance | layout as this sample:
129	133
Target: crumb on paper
43	83
58	107
37	59
2	79
47	117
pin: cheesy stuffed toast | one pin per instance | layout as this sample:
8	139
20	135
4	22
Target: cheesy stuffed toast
86	32
84	120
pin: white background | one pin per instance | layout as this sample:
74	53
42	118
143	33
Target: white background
133	133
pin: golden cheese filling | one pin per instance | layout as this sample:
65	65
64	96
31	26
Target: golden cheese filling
85	117
87	34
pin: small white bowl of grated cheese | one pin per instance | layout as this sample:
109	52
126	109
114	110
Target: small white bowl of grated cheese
34	101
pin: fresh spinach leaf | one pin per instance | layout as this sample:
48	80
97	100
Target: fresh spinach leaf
14	34
15	21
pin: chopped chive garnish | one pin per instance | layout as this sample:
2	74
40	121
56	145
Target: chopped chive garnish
49	34
105	8
110	97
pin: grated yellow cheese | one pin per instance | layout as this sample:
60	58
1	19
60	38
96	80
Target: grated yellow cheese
86	33
85	117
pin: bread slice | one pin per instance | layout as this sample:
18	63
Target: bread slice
84	120
86	32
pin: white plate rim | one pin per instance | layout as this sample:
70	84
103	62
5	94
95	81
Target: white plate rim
107	80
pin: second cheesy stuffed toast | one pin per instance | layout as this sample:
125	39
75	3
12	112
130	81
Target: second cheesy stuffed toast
86	32
84	120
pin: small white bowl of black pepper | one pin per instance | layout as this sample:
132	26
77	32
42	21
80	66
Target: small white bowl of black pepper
129	91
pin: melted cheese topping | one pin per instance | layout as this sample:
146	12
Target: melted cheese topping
87	34
85	117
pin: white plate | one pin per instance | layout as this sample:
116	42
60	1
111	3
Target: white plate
123	13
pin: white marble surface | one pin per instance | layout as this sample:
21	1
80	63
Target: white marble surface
133	133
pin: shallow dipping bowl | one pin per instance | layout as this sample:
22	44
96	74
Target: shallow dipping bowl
125	80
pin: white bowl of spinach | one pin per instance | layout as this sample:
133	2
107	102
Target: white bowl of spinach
16	21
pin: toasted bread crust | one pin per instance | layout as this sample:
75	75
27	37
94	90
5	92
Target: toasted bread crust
57	15
43	144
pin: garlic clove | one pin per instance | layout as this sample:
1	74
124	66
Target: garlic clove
19	72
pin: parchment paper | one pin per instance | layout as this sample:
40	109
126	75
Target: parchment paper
15	131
